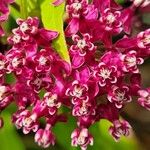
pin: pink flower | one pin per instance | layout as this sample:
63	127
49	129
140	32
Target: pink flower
52	103
42	61
3	63
97	84
45	137
81	50
119	128
105	74
143	39
78	11
144	99
24	95
29	26
16	61
82	138
82	45
111	21
28	36
102	5
24	119
38	81
83	108
77	8
4	12
130	62
119	96
77	90
5	96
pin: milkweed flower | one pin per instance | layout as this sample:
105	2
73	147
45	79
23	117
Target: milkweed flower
102	77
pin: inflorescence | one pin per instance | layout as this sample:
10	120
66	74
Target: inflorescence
93	86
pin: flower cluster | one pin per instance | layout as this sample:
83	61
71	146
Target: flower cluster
4	12
101	79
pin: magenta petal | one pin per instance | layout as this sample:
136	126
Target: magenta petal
94	28
136	79
83	75
1	31
72	27
59	86
77	61
66	66
92	14
126	16
93	89
131	42
3	17
31	50
48	34
101	4
57	2
107	39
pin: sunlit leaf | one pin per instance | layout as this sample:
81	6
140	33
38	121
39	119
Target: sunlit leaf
124	143
63	133
14	12
52	18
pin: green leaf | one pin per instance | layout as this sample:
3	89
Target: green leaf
24	8
124	143
52	18
9	138
63	134
120	1
14	12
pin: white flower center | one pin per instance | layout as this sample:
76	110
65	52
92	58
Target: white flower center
81	140
105	73
51	100
110	18
83	110
2	91
77	91
42	60
16	39
146	40
37	82
24	27
131	61
120	131
15	62
2	64
81	44
27	121
120	96
44	140
77	6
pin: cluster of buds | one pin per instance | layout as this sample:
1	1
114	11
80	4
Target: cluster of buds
99	68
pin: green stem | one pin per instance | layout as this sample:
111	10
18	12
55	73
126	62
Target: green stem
23	9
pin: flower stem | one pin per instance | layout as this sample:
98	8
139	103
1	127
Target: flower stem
23	9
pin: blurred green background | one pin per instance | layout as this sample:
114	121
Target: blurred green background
11	139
